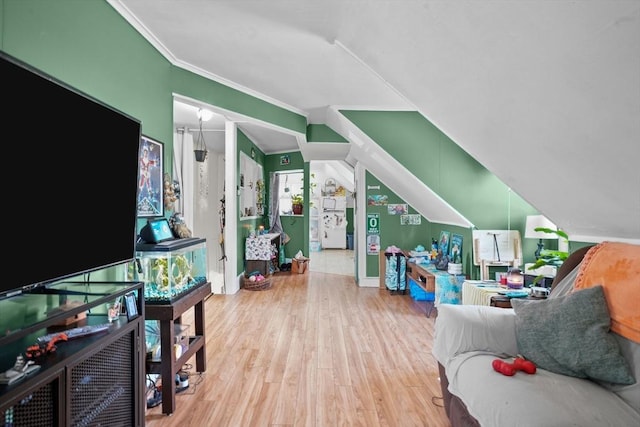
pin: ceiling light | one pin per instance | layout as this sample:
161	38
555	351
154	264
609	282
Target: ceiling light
204	114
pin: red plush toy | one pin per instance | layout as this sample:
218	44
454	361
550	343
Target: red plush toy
510	369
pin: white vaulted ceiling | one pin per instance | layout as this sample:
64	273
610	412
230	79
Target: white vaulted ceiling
544	94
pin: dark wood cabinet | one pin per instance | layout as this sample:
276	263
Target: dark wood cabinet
96	379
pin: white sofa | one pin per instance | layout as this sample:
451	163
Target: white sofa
468	338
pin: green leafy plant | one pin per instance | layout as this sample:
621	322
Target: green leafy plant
547	256
297	199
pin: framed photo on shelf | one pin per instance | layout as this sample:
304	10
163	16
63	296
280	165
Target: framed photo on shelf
150	192
443	242
455	250
130	305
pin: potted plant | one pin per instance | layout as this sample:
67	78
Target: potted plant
550	257
296	203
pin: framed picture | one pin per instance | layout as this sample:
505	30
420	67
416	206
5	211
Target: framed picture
397	209
443	243
285	159
410	219
150	173
456	248
130	305
377	200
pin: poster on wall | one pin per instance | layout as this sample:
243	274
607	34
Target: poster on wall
397	209
373	244
377	200
373	234
150	191
410	219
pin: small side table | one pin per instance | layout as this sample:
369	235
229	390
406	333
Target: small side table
502	301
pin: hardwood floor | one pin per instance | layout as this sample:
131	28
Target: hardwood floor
334	261
313	350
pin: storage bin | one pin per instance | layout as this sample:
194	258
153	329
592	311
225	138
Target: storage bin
262	267
256	285
419	294
258	248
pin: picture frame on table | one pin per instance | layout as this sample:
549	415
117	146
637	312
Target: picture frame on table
455	247
150	201
131	306
443	242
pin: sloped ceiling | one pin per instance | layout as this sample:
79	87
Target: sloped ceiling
544	94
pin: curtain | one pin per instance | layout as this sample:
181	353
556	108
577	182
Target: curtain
183	170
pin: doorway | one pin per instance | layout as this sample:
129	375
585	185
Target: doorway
331	217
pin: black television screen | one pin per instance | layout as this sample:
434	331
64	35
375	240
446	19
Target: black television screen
71	165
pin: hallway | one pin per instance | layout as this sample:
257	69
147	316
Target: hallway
333	261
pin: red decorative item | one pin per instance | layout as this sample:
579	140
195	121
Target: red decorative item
521	364
503	367
510	369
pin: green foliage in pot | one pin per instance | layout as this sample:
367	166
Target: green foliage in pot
550	257
297	199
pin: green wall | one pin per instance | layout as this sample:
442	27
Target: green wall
88	45
323	133
449	171
407	237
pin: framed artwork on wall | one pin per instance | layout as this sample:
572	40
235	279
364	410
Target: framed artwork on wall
150	173
398	208
455	251
443	242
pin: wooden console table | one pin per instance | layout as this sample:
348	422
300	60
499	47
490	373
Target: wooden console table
168	315
423	278
447	287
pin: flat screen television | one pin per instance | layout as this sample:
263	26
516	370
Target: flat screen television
70	180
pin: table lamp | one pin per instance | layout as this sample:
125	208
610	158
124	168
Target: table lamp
538	221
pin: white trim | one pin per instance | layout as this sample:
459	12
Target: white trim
164	51
232	282
369	282
235	116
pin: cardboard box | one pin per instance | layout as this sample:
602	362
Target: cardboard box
299	265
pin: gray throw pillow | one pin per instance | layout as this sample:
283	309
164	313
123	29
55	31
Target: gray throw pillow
570	335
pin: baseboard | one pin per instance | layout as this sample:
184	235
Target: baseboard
369	282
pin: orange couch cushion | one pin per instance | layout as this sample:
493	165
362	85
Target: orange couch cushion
615	266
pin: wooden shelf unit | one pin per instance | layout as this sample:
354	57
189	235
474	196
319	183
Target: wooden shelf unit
168	315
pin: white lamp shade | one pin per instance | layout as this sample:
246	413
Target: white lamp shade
536	221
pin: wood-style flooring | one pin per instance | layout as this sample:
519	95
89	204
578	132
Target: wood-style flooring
313	350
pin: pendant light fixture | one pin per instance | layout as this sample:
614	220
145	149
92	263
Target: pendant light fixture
199	148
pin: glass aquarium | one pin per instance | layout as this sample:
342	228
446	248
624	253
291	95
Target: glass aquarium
169	269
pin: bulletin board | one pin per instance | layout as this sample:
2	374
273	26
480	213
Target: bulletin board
496	246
